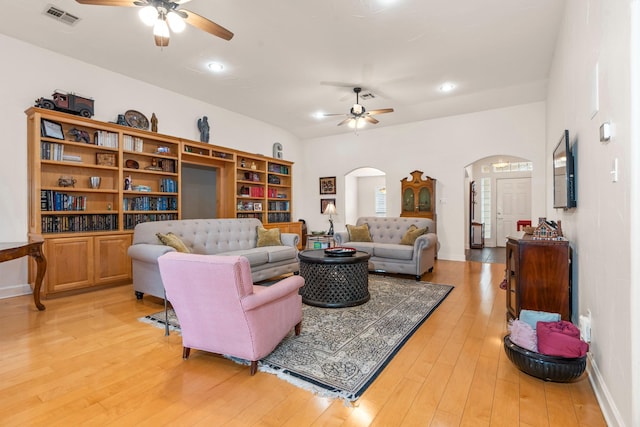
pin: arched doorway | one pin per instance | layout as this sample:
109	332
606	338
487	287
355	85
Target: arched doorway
365	193
498	195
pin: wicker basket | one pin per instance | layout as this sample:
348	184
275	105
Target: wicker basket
548	368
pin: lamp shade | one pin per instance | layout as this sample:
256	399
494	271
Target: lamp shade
330	209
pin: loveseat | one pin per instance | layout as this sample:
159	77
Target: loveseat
209	237
387	252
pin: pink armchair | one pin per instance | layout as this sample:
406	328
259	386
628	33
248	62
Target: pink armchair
221	311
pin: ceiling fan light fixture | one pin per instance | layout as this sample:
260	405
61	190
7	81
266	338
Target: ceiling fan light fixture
148	15
357	123
176	23
357	109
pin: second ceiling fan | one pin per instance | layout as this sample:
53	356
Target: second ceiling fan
358	115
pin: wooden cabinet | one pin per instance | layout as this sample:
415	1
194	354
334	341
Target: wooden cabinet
538	276
419	196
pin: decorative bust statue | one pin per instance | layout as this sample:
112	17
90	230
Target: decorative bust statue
203	127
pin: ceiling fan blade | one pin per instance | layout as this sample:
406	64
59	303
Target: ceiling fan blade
371	120
344	121
181	1
334	114
380	111
206	25
108	2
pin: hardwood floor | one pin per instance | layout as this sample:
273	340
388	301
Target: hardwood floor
87	360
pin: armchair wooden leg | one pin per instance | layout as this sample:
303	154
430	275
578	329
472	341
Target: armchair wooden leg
185	352
298	328
254	367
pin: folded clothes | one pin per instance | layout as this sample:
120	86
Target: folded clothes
532	317
560	339
523	335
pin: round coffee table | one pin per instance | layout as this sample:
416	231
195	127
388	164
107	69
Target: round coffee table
334	281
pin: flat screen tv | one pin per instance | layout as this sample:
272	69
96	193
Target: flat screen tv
564	184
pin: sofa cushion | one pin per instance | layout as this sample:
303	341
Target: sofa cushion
268	237
255	256
359	233
390	250
174	241
280	253
362	246
412	234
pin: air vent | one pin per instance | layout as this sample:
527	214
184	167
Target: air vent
60	15
367	95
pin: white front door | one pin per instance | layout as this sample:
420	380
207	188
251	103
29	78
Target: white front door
513	203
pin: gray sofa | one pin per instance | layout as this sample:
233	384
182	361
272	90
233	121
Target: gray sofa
387	254
213	237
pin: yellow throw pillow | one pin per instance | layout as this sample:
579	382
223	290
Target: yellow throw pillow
268	237
412	234
174	241
359	233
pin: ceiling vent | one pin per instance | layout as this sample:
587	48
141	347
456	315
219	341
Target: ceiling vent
60	15
367	95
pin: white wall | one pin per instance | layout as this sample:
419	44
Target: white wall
367	186
34	72
598	31
440	148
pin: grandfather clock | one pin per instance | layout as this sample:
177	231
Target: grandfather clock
419	196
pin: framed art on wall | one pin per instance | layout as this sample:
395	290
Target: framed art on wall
324	203
328	185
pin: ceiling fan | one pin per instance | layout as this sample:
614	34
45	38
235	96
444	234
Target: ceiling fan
163	14
358	115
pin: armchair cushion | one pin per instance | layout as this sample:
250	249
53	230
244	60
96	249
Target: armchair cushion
174	241
268	237
359	233
412	234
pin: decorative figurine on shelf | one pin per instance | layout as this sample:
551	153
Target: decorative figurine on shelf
66	181
68	103
154	123
254	166
203	127
80	135
243	163
277	150
121	120
127	183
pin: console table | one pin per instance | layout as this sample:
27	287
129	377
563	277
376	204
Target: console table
9	251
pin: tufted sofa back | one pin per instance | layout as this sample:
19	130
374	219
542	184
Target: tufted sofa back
203	236
391	229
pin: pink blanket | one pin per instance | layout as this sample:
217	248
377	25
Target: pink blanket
560	339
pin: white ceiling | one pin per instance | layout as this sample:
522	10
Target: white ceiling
292	58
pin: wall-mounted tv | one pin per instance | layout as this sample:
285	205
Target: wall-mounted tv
564	180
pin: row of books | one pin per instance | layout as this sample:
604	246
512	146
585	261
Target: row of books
249	215
147	203
51	151
168	185
131	220
279	217
167	165
132	143
106	139
278	206
278	168
256	192
51	200
79	223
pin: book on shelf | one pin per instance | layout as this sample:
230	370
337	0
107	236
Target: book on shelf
132	143
104	138
79	223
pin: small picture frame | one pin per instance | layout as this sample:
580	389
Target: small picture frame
328	185
106	159
257	207
324	203
51	129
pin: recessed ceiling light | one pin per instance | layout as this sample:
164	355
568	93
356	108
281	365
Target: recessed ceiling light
216	67
447	87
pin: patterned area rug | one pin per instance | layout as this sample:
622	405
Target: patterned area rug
342	350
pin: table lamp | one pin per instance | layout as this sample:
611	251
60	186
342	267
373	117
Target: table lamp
330	210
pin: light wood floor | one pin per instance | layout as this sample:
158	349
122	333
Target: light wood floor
87	360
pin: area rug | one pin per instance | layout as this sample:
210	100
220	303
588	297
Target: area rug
342	350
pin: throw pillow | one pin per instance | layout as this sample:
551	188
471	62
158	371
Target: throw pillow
359	233
174	241
412	234
532	317
268	237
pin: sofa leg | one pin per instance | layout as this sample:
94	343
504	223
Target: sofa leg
418	277
139	294
296	273
430	270
298	328
185	352
254	367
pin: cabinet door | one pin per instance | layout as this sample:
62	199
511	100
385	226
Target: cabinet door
112	264
513	304
69	263
408	201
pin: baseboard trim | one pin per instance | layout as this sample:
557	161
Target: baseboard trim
15	291
607	405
